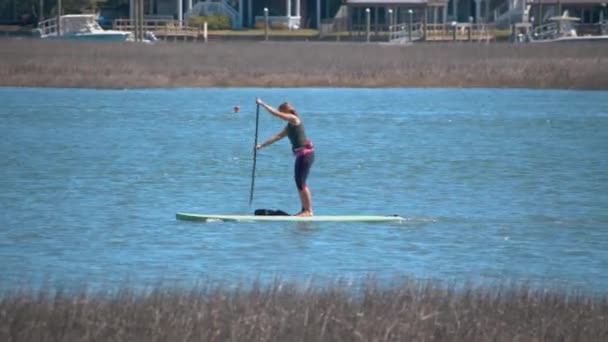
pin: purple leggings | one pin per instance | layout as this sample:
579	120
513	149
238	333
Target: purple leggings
302	167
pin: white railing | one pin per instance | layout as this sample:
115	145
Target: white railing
158	26
544	32
48	27
403	33
459	32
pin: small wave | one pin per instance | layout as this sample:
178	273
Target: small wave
414	219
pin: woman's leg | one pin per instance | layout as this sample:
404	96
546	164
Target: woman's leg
306	200
302	168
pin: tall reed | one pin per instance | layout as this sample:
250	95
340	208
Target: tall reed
411	311
31	62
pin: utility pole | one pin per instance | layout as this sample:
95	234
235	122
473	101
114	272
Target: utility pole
367	24
142	28
59	10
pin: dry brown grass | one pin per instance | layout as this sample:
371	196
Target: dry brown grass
301	64
413	311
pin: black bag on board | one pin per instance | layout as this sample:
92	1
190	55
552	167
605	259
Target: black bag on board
270	212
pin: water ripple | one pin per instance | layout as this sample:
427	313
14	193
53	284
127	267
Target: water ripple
494	185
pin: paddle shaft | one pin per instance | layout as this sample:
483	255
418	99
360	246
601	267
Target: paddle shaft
255	152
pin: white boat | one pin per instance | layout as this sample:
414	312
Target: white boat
562	29
79	27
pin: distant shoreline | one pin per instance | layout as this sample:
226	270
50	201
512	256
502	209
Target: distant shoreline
39	63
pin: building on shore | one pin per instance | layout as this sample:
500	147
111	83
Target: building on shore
302	13
313	13
352	15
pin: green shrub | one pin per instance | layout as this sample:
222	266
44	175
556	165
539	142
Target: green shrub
215	22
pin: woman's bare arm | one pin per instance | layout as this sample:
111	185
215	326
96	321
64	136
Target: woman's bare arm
291	118
282	134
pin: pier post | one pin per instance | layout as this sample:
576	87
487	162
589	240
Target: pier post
425	22
367	24
390	24
376	21
289	14
142	27
59	10
250	14
205	36
135	20
298	13
411	23
603	25
319	15
266	23
180	13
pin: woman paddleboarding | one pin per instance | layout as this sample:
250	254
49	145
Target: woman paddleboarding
301	147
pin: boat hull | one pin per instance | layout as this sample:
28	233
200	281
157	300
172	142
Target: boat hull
581	39
106	36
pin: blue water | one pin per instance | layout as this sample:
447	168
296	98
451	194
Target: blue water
497	185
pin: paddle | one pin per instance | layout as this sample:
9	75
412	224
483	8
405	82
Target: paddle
255	152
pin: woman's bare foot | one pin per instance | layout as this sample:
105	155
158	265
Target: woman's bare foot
304	213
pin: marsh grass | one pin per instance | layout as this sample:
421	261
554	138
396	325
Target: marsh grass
411	311
31	62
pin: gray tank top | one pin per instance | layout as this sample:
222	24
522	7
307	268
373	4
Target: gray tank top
296	135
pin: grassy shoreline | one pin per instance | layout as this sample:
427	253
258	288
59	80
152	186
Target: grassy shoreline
411	311
39	63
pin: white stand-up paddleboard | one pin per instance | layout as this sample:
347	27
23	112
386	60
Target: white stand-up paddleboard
262	218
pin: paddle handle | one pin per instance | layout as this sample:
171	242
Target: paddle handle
255	152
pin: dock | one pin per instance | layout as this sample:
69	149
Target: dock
174	30
164	29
